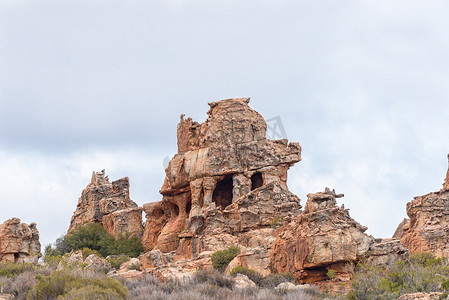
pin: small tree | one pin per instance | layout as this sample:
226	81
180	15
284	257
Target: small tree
222	258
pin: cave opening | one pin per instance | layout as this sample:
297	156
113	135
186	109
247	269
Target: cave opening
256	181
188	207
174	209
222	195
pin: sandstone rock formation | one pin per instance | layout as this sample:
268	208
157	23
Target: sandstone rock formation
108	203
324	237
428	229
402	227
75	259
19	242
386	252
226	179
227	185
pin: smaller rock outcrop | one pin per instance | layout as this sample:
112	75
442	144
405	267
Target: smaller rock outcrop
402	227
386	252
324	237
75	259
19	242
428	229
109	204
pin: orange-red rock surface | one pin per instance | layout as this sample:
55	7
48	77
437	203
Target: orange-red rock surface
227	185
323	237
428	228
108	203
19	242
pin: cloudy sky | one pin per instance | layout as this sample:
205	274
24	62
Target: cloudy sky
363	86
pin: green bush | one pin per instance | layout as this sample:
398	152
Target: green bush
73	284
421	272
222	258
214	278
117	260
273	280
14	269
94	237
253	275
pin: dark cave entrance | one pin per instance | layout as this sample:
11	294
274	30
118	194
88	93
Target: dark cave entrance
222	195
256	181
188	207
174	209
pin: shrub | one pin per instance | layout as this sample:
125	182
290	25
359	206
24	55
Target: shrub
222	258
253	275
94	237
273	280
213	277
277	221
421	272
117	260
62	283
13	269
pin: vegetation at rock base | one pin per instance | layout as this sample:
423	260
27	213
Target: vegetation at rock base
210	285
253	275
222	258
94	237
77	285
421	272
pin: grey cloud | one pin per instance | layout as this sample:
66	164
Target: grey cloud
363	87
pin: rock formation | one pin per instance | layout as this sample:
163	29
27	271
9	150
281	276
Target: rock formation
108	203
324	237
428	229
19	242
386	252
226	185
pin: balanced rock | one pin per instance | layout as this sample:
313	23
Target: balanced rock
324	237
19	242
109	204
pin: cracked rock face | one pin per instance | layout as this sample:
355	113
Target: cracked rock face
428	228
108	203
227	178
323	237
19	242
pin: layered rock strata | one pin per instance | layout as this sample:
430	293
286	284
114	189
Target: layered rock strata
226	186
428	228
19	242
226	178
109	204
324	237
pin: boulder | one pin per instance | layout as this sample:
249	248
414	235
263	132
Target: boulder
257	259
386	252
242	281
109	204
19	242
324	237
422	296
75	259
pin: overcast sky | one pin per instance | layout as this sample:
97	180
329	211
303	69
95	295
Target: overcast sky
363	86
